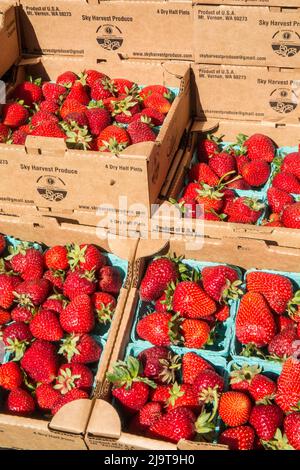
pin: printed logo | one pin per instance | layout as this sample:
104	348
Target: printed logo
51	188
109	37
286	43
283	100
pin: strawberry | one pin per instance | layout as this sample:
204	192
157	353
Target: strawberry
210	198
149	414
49	106
4	133
19	137
28	262
177	424
78	316
122	86
260	147
191	192
239	184
79	283
207	147
113	139
101	89
159	364
277	289
72	376
265	419
156	328
234	408
292	429
42	116
85	257
130	389
208	385
220	282
182	395
45	325
16	337
53	92
161	394
22	314
242	377
255	322
2	244
40	361
160	89
67	79
10	376
223	313
72	395
222	164
160	273
56	258
90	76
196	333
238	438
81	349
245	210
56	278
98	119
29	92
291	164
124	108
5	316
241	161
284	322
192	365
262	387
278	199
78	138
140	132
202	173
20	403
281	346
48	129
32	293
6	291
287	182
54	304
71	106
291	216
14	115
79	93
105	305
110	280
151	115
256	173
76	120
158	102
191	301
46	396
288	385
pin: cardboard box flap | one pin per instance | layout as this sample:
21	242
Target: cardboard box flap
8	40
73	417
192	445
104	412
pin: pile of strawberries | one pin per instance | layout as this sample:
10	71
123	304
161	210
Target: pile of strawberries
284	208
51	305
89	111
268	319
259	412
188	305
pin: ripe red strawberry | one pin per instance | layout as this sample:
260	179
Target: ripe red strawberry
46	396
223	313
158	102
32	293
5	316
110	280
208	385
98	120
156	328
19	137
130	389
287	182
20	403
48	129
85	257
223	163
291	164
191	192
49	106
282	344
78	283
11	376
76	119
277	289
278	199
192	365
207	147
284	322
265	419
191	301
241	377
56	278
161	394
149	414
195	333
101	89
67	79
160	273
42	116
40	362
150	114
288	385
90	76
291	216
255	322
219	282
292	429
6	291
71	376
56	258
14	115
235	408
72	395
210	198
245	210
54	304
122	86
160	89
2	244
239	438
140	132
239	184
78	316
105	305
260	147
159	364
54	92
4	133
81	349
28	262
113	139
241	160
16	337
262	387
202	173
177	424
29	92
45	325
71	106
256	173
182	395
79	93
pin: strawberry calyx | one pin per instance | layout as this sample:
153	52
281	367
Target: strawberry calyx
169	368
205	423
125	373
169	292
232	291
123	106
76	255
105	313
66	381
147	120
68	347
174	326
209	192
252	350
24	300
19	249
209	395
95	104
175	393
113	145
244	373
16	347
78	138
279	442
58	296
253	204
293	307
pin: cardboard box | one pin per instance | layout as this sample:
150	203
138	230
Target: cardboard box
8	38
104	430
67	428
168	218
148	30
247	35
